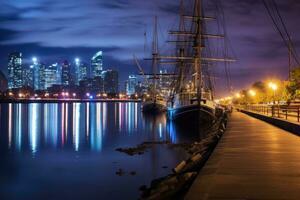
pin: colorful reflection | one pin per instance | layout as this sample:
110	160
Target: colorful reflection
81	126
34	125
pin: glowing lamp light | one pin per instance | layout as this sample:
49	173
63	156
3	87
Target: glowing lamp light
74	94
88	94
238	95
252	93
91	97
273	86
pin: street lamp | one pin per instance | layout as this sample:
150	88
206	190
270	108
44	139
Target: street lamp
252	93
274	87
238	95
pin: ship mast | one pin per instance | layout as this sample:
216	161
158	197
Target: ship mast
197	50
155	58
190	58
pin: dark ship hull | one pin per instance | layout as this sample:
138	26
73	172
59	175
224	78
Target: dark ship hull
153	107
192	114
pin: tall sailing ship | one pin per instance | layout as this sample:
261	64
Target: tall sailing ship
154	102
191	98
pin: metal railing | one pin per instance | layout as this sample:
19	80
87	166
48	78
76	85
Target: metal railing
287	112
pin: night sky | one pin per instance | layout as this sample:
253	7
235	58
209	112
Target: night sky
54	30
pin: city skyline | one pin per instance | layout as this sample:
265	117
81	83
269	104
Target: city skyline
60	79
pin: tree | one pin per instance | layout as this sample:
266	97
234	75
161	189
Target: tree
293	86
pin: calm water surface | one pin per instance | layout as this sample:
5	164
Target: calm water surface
67	151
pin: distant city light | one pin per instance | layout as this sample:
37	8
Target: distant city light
74	94
88	94
77	60
91	97
34	60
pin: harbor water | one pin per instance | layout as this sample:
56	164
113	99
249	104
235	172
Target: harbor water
67	150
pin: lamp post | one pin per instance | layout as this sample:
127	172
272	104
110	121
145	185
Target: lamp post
274	87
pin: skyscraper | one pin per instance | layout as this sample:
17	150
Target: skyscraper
15	70
28	78
81	71
111	81
76	71
66	76
131	85
52	76
38	74
97	64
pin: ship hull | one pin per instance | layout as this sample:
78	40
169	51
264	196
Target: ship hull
192	114
153	107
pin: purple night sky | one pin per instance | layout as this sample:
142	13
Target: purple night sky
54	30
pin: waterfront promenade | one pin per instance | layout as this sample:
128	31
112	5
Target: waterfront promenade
253	160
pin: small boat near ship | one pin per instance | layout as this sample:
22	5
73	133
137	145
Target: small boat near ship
155	102
154	105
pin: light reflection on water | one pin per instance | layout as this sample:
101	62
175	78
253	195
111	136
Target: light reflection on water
84	124
72	146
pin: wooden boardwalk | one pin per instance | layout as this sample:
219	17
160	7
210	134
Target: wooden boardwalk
254	160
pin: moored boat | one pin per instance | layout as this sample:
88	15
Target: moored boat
191	99
155	105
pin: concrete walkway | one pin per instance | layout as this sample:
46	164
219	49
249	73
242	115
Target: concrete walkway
254	160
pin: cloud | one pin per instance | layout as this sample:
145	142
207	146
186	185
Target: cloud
118	26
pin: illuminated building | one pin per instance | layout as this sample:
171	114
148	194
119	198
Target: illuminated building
38	74
131	85
111	81
81	71
66	76
52	76
164	82
27	73
15	70
97	64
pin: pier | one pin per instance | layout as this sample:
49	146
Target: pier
253	160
